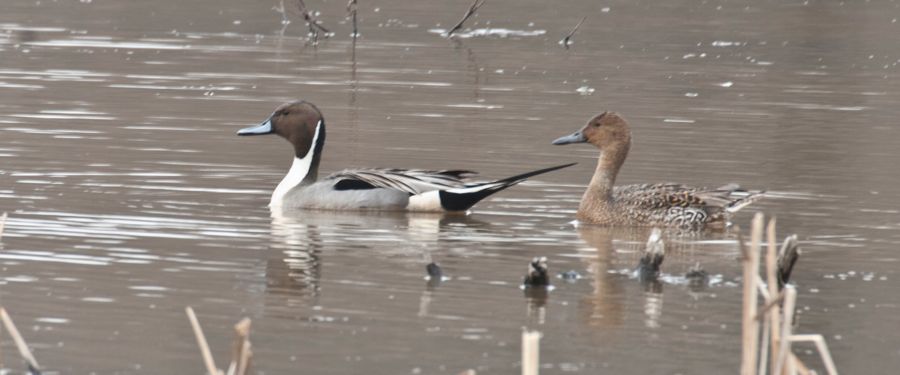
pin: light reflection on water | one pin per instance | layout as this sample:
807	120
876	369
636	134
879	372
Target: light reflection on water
129	196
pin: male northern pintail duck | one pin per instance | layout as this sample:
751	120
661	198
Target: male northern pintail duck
667	204
302	124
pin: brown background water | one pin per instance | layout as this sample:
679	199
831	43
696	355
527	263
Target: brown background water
130	197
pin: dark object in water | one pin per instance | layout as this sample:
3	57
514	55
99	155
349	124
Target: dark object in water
435	275
469	13
654	253
568	39
434	271
697	277
787	257
537	273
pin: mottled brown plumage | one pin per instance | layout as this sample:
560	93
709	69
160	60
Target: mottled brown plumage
666	204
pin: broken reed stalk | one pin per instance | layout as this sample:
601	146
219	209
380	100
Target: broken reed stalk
750	327
568	39
201	342
772	283
819	341
351	10
240	350
2	223
33	367
311	22
468	372
772	354
469	13
784	346
531	349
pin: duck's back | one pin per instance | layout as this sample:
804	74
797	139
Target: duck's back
673	205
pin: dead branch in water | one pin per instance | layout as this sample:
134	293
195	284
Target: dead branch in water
314	26
771	353
201	342
469	13
568	39
33	367
351	11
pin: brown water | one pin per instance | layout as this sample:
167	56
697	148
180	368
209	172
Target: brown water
130	197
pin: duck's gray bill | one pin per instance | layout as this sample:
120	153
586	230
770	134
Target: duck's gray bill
576	137
264	128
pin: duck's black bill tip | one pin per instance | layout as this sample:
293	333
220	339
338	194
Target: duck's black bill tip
264	128
576	137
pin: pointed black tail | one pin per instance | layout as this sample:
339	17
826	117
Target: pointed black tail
461	199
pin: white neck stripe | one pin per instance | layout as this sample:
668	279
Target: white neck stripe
299	170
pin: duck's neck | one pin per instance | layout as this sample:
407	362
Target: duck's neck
601	187
304	170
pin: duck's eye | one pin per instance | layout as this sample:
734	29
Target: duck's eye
596	124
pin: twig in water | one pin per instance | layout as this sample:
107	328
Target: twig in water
33	367
201	342
568	39
314	27
351	10
469	13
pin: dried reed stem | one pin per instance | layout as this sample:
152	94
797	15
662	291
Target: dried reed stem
351	10
469	13
2	223
784	347
468	372
246	356
201	342
240	352
568	39
819	341
772	302
750	325
531	349
33	366
772	282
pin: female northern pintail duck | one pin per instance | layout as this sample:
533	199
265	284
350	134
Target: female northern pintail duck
302	124
665	204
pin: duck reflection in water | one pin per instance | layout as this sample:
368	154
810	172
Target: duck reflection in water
303	241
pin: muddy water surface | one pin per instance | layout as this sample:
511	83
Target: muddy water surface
130	197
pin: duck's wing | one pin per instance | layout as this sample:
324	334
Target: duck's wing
411	181
728	198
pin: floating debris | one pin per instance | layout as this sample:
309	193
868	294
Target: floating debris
570	276
585	90
491	32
